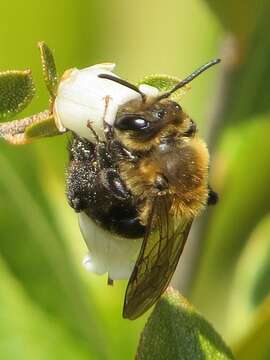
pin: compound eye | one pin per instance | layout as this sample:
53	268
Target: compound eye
140	124
131	123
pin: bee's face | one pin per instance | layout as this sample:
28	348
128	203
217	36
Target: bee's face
139	130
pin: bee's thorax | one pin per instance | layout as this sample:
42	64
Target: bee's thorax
182	163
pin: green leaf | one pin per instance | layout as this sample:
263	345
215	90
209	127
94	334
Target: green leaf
27	332
256	345
165	83
49	68
38	256
16	92
176	331
44	128
251	285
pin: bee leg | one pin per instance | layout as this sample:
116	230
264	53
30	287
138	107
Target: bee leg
119	152
80	173
76	202
89	125
113	147
107	128
212	196
111	180
108	131
110	281
75	188
81	149
108	174
104	159
192	129
161	184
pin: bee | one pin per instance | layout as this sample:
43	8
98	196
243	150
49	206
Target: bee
148	179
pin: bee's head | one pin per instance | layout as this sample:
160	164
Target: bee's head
141	129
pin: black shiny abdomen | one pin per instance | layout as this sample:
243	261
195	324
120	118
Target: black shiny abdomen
119	219
95	187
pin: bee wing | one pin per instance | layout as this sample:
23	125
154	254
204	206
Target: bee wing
162	246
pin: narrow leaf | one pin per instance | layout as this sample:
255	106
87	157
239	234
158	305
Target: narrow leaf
44	128
49	68
165	83
16	92
176	331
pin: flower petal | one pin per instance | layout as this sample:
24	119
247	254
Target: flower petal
82	97
148	90
109	253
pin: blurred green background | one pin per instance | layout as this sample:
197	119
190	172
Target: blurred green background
50	308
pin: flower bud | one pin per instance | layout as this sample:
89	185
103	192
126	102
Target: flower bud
83	97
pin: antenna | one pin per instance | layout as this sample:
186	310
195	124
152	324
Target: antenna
124	83
189	78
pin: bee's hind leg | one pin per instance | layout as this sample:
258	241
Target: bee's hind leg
212	196
80	172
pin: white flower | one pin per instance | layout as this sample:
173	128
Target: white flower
82	96
109	253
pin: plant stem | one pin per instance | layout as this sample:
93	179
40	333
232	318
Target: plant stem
13	131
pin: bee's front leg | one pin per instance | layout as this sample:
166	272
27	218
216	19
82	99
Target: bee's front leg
112	181
191	130
108	173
